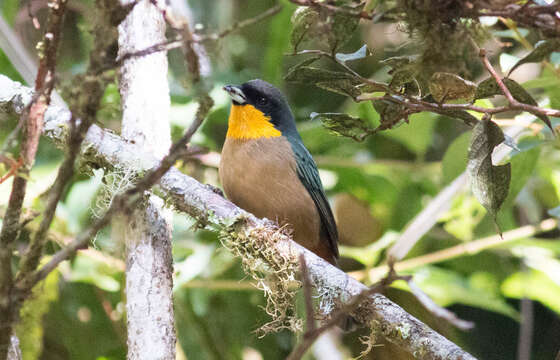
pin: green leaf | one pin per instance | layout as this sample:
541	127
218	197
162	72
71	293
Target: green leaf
342	87
277	42
390	114
467	118
487	88
490	87
398	62
95	272
303	20
447	86
536	286
331	29
344	125
489	183
370	88
511	33
30	329
402	77
342	25
522	166
403	70
357	55
447	287
417	135
337	82
507	62
454	161
540	52
307	74
555	212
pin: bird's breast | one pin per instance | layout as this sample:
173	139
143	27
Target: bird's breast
260	176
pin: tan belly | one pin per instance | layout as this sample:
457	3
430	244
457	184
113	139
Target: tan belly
260	176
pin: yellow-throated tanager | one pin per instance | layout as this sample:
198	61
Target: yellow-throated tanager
266	170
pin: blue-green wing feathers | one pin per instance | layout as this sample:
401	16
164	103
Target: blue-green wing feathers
309	176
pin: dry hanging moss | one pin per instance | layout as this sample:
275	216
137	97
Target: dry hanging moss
114	182
275	273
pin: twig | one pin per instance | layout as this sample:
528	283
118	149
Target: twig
541	17
221	285
414	104
31	257
14	167
128	199
490	69
333	58
437	310
425	220
86	108
33	126
525	340
242	24
514	104
179	41
334	9
339	315
181	25
420	105
11	138
469	248
512	25
307	294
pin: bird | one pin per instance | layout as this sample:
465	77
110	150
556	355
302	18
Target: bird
266	169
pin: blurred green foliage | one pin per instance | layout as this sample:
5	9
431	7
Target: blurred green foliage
78	312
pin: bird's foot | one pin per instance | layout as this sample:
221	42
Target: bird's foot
214	189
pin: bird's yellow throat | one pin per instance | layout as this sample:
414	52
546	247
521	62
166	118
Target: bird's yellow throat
247	122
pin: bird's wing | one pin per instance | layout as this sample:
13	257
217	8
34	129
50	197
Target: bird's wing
309	176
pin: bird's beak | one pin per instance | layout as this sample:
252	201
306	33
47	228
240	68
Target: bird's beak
236	94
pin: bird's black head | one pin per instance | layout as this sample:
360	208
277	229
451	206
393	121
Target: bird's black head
266	98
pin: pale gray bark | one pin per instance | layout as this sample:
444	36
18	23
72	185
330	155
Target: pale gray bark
189	196
146	231
14	352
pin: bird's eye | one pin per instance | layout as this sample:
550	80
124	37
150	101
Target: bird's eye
262	101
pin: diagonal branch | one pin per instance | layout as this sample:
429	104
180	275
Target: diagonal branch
189	196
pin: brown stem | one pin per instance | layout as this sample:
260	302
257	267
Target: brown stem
85	106
309	312
33	126
492	71
128	199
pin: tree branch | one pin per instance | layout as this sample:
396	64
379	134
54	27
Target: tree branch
209	208
470	248
180	41
32	128
338	316
145	229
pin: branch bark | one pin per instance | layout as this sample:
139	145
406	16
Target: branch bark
146	230
32	116
187	195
